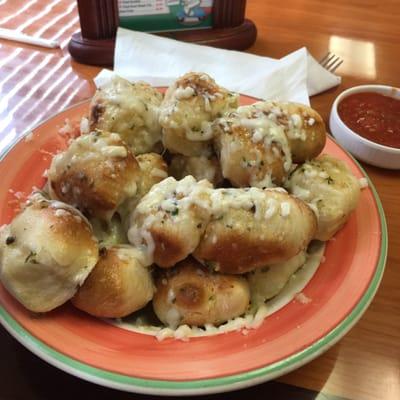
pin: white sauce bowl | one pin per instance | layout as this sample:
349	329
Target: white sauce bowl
364	149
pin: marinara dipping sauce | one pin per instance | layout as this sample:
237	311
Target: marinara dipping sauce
373	116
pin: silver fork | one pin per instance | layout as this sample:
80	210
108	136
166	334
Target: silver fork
331	62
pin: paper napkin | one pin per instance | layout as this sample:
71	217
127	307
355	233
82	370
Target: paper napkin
159	61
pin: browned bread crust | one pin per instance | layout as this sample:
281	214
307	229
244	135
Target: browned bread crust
191	294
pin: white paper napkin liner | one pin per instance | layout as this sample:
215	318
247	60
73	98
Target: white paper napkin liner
159	61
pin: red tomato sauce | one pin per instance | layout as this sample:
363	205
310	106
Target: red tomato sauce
373	116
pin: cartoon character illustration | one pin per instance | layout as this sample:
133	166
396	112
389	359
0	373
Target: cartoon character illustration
191	11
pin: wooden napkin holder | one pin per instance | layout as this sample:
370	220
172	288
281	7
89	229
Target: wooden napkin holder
99	20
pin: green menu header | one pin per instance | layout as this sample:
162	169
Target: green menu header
165	15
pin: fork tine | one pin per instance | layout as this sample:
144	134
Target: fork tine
332	63
334	67
328	60
324	58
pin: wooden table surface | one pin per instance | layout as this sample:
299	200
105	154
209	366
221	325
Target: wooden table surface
35	83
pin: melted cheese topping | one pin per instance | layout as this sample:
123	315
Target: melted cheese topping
321	179
61	208
184	93
192	103
84	126
158	173
131	110
95	146
177	197
294	124
115	151
264	128
329	188
168	196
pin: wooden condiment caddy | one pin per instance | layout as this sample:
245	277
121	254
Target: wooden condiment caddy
99	20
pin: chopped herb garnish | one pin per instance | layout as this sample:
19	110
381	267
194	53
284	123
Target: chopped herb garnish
209	265
329	180
31	258
175	212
